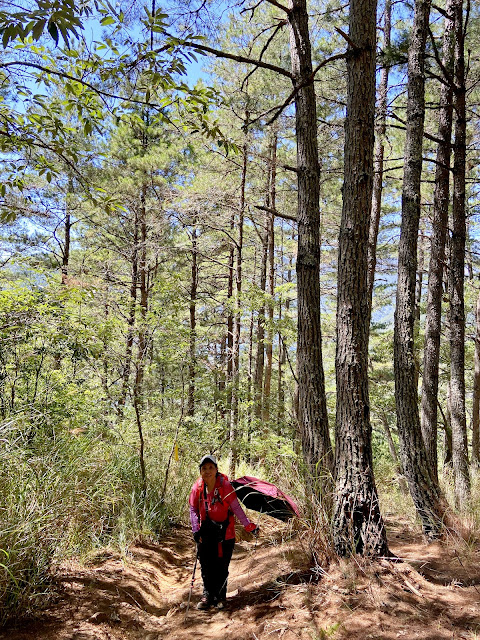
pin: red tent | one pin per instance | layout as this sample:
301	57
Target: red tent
265	497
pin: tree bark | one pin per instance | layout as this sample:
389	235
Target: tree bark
229	344
193	323
423	488
251	326
282	355
221	385
271	280
431	356
138	400
357	522
260	357
447	456
418	300
456	278
476	392
378	160
313	417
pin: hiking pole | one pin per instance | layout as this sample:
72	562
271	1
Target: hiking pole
191	586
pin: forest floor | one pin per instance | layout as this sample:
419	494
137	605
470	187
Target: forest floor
432	594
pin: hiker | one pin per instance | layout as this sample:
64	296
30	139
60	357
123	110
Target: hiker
213	504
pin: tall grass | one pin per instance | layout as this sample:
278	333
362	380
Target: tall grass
69	494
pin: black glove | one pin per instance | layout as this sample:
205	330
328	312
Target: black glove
197	535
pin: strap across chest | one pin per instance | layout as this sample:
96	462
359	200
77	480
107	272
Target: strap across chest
215	498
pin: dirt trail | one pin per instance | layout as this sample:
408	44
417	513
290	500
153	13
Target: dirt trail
273	593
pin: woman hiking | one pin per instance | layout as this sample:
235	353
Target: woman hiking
213	504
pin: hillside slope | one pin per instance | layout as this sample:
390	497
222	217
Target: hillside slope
272	593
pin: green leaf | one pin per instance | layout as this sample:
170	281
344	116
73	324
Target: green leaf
38	29
7	216
53	31
6	36
107	20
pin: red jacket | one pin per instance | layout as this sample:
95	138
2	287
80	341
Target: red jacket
222	503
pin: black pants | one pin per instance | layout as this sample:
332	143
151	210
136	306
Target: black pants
215	568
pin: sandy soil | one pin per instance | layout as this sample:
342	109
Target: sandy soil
432	594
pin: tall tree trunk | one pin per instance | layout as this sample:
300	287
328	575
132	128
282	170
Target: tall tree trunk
142	335
281	361
418	300
68	229
234	411
282	356
260	357
66	248
271	280
222	378
456	278
431	355
476	392
65	254
229	345
163	385
469	250
447	429
250	355
193	323
127	362
313	417
357	522
423	488
380	132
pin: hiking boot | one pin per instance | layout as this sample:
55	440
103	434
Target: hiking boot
204	604
221	604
